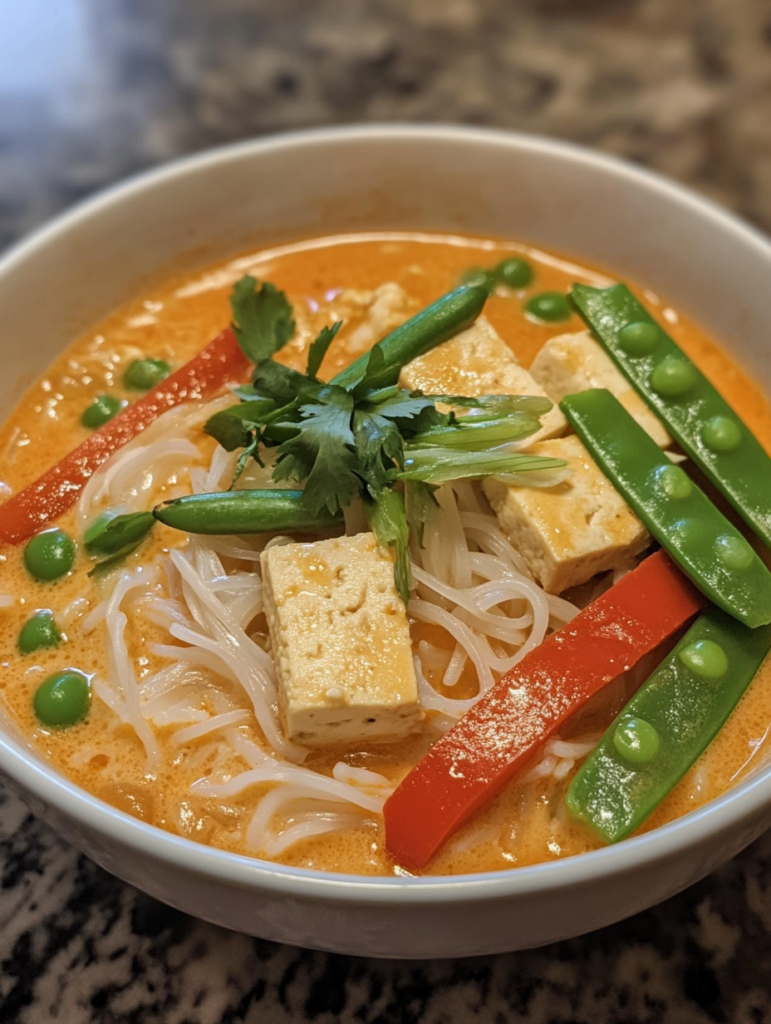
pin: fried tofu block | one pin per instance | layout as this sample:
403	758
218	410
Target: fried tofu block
576	362
341	642
574	530
478	362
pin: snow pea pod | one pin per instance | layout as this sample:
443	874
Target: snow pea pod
696	415
667	725
247	511
706	546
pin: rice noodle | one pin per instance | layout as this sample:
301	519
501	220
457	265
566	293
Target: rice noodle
122	691
130	479
559	756
210	725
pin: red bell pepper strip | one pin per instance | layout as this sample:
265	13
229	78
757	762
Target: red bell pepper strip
472	762
27	512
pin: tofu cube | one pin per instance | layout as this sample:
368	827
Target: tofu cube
341	642
380	309
478	362
576	362
574	530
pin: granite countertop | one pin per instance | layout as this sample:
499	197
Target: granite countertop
119	85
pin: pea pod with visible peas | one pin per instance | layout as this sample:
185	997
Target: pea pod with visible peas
706	546
667	725
696	415
247	511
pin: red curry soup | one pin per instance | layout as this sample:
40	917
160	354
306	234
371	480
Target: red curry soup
445	556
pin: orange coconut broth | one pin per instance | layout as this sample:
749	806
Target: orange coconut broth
526	823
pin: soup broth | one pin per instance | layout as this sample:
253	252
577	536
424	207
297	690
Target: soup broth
371	283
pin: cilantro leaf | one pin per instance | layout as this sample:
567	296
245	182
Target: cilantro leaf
376	373
380	448
420	503
262	318
322	452
284	386
319	347
411	411
235	426
388	521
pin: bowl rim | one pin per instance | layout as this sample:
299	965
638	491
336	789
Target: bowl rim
39	779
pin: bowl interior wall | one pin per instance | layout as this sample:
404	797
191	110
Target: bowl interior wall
554	197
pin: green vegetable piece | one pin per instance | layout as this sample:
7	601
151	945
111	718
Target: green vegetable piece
478	277
674	481
613	793
479	434
636	740
101	411
705	659
262	318
388	521
743	472
39	632
49	555
674	377
514	272
549	307
733	552
235	426
63	699
319	346
686	526
639	339
247	511
443	319
721	434
321	453
438	465
143	374
114	537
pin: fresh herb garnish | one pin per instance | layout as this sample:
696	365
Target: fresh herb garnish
361	437
388	521
262	318
319	347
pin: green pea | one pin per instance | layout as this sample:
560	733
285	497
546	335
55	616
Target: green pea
63	699
674	377
636	740
721	434
704	658
733	552
549	307
143	374
674	482
49	554
638	339
39	632
101	411
514	272
479	277
691	531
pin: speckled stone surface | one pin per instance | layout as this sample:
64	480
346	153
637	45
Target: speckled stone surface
680	85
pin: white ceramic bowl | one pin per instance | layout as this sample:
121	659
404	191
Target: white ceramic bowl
700	258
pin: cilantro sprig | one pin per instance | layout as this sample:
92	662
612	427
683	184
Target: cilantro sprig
360	435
